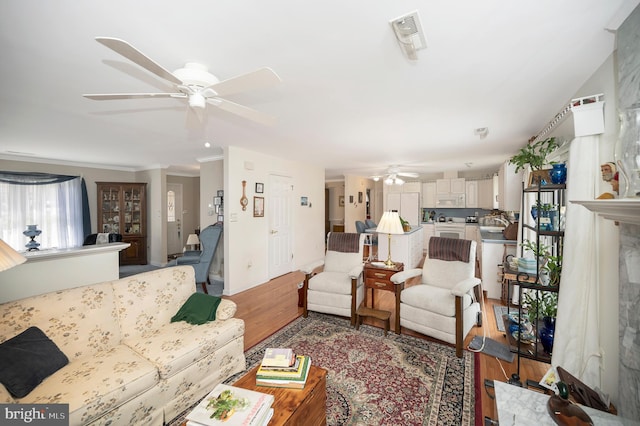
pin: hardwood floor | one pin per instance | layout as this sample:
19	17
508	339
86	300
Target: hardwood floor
269	307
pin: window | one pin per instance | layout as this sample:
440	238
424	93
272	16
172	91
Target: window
171	206
30	199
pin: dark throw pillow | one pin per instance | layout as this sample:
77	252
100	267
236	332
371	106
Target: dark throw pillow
27	359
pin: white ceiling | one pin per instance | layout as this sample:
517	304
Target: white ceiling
349	100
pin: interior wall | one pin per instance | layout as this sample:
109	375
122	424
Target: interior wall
211	181
336	211
156	215
246	264
354	209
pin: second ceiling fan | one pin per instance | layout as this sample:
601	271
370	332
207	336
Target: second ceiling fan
194	83
394	176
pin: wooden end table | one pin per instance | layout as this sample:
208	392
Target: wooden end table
379	278
307	406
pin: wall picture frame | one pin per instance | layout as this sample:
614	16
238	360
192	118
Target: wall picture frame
259	187
217	201
341	200
258	206
304	201
360	197
220	193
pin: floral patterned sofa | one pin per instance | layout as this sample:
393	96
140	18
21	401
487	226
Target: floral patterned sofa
128	364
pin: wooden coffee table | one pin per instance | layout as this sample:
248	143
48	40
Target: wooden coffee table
306	406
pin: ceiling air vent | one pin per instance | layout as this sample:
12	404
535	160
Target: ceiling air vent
409	33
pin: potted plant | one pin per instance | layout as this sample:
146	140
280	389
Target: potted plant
553	266
534	154
542	304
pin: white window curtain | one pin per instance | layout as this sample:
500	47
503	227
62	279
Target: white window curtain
56	208
576	346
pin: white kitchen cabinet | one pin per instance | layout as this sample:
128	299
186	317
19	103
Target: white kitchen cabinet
472	193
443	186
450	186
429	194
492	256
428	231
458	186
407	204
406	248
509	187
485	194
412	187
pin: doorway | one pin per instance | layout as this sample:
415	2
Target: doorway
174	219
280	227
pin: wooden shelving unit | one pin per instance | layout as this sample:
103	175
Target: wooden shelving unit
122	209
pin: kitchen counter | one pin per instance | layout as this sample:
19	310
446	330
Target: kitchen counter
405	248
411	231
495	238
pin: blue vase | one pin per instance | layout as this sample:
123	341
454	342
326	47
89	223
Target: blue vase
546	334
534	212
559	173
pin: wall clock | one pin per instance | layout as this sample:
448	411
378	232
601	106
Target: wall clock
244	200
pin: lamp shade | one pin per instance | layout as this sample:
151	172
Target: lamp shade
9	257
390	224
193	239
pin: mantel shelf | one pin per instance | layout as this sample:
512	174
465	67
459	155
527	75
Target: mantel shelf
624	210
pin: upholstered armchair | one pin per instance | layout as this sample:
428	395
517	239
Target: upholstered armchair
338	288
443	305
360	226
201	259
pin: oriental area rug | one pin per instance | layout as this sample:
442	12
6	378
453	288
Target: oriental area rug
375	379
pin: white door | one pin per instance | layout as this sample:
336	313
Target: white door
280	191
174	218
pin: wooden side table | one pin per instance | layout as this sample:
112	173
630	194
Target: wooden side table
379	278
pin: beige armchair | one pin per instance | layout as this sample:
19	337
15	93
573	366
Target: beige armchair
338	288
443	305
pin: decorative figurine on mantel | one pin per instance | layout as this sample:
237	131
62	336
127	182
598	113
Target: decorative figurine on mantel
610	175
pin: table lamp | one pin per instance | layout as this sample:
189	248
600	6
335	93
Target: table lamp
193	240
9	257
390	224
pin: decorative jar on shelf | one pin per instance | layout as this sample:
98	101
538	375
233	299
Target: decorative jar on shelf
627	153
546	333
558	173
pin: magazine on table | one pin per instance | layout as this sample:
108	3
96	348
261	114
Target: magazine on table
231	406
278	357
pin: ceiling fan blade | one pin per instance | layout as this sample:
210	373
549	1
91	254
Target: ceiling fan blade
259	79
113	96
408	174
134	55
243	111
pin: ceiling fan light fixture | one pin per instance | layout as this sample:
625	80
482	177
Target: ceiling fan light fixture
398	181
376	178
388	181
196	100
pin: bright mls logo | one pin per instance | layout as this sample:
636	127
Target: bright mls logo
36	414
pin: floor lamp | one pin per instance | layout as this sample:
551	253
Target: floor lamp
390	224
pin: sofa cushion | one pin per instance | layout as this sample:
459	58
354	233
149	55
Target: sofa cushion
433	299
27	359
81	321
175	346
331	282
96	384
149	300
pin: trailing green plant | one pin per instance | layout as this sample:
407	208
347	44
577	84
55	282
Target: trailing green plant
534	154
540	304
553	266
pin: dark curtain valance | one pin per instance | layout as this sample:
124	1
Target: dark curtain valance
30	178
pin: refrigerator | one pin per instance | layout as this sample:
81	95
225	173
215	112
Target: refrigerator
407	204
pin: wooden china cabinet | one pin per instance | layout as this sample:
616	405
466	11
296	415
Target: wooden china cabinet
122	209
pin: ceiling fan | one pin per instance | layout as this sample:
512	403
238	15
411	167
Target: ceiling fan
394	176
194	83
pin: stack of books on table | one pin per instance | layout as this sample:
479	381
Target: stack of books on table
232	406
281	368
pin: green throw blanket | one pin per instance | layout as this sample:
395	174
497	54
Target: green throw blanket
198	309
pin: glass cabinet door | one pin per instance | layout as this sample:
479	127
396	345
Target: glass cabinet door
110	197
133	199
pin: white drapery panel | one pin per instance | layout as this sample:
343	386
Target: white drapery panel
576	345
56	208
